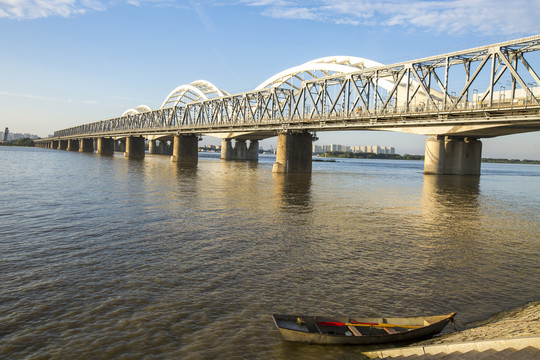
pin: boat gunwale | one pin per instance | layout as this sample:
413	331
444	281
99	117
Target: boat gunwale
426	331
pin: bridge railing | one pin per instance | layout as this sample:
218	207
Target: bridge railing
449	83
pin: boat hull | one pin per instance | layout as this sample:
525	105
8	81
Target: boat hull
300	333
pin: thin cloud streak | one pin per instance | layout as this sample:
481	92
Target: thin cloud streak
203	18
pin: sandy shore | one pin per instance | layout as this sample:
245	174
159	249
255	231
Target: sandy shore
521	322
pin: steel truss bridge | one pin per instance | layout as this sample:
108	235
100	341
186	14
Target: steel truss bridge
481	92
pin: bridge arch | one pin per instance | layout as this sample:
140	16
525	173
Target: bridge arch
137	110
313	69
194	91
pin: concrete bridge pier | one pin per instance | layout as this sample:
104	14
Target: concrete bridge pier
185	150
473	156
240	151
62	144
53	144
135	148
226	149
73	145
253	150
105	146
152	147
120	145
452	156
86	145
164	148
294	153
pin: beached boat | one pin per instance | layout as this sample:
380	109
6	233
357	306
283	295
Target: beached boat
359	331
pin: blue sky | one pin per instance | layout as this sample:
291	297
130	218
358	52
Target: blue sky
68	62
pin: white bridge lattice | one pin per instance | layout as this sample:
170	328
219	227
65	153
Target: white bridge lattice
486	91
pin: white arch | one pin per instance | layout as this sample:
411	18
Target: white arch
181	91
352	61
326	65
130	112
137	110
143	108
195	91
208	88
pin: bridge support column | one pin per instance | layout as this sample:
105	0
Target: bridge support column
62	145
105	146
185	150
294	153
473	156
134	148
152	147
73	145
120	145
253	150
434	155
240	151
164	148
54	144
452	156
226	149
86	145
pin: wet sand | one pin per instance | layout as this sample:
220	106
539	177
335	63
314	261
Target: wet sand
520	322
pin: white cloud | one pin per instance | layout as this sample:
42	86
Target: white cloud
33	9
291	13
266	2
457	16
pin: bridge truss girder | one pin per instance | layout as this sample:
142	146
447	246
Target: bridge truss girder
436	91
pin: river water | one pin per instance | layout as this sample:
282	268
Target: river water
110	258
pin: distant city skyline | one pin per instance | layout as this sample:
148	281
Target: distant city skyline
70	63
7	135
375	149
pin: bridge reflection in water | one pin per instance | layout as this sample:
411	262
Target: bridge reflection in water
455	98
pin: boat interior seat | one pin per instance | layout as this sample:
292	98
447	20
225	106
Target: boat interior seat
355	331
311	325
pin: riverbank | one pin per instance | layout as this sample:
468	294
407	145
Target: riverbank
509	334
520	322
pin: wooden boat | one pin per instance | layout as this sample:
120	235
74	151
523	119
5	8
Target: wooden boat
359	331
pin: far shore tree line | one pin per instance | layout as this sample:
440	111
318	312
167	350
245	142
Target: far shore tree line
351	155
19	142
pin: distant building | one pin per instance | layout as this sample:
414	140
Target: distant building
376	149
8	136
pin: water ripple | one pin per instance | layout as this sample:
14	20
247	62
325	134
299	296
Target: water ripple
109	258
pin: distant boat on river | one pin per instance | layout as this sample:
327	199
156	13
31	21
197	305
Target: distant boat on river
359	331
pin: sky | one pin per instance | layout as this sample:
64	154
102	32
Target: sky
68	62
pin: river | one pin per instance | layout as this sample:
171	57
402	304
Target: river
110	258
